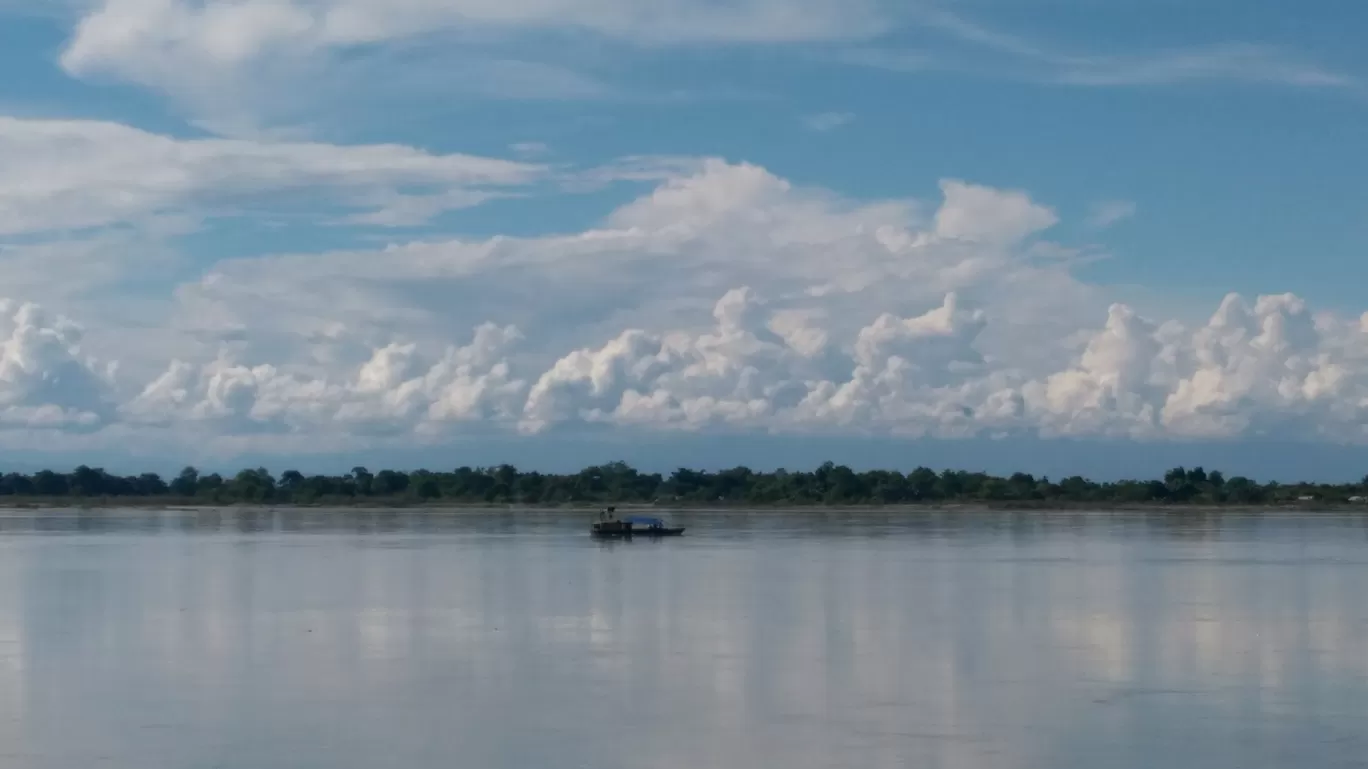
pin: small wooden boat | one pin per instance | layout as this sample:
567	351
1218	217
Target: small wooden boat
608	525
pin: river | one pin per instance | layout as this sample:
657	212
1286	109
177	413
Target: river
512	640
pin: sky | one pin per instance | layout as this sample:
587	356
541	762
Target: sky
1037	234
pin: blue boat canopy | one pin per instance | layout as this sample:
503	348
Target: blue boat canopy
641	519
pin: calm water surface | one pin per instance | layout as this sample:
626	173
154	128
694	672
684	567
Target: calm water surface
513	641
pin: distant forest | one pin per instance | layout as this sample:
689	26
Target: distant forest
619	483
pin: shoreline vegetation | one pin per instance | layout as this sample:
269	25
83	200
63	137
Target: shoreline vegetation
829	486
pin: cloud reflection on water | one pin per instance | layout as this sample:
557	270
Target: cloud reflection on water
418	640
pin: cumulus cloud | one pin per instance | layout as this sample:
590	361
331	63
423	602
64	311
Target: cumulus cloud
394	391
1260	369
661	262
1257	368
1269	368
910	374
739	372
725	298
46	379
987	215
72	174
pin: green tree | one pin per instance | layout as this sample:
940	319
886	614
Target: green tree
46	483
291	481
87	482
150	485
363	480
186	483
923	483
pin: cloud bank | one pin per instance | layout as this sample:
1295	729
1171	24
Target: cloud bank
726	298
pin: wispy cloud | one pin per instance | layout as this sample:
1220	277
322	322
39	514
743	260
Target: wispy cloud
528	149
74	175
1104	214
1239	62
891	60
241	68
824	122
515	79
152	43
976	34
1021	58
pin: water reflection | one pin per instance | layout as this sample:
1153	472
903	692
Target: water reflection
315	638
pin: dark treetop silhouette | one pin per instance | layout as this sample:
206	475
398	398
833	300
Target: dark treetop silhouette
618	482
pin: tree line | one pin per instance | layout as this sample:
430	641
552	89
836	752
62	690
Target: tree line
618	482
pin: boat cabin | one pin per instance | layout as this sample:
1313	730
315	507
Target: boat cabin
608	525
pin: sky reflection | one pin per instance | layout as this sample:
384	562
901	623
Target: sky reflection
313	639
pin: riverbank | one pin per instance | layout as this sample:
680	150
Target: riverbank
161	503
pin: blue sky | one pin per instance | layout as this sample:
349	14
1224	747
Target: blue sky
279	224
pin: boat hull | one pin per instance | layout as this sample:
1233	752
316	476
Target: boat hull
626	532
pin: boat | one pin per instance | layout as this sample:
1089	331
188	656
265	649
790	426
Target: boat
609	525
653	527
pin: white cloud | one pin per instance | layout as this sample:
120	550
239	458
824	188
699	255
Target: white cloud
1115	386
169	43
139	34
82	174
726	298
246	68
1242	62
824	122
528	149
54	271
46	379
986	215
993	52
396	390
1108	212
662	259
1227	61
725	374
1265	369
189	46
914	375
